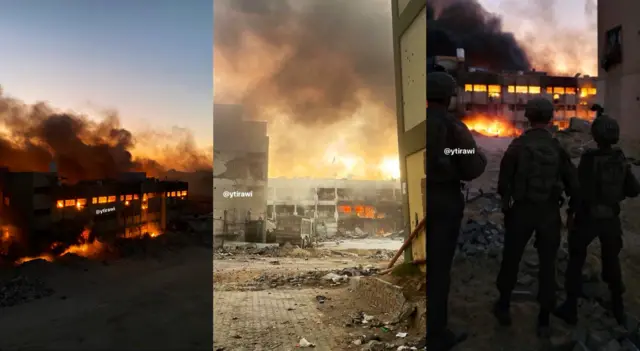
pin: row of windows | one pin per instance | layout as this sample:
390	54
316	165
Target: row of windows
519	107
496	90
113	198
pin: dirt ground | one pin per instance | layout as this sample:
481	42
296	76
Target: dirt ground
473	282
160	303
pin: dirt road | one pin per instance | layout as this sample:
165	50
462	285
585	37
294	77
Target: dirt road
150	304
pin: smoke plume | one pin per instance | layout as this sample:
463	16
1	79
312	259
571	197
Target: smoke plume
526	35
319	71
32	136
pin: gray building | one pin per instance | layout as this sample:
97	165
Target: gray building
240	168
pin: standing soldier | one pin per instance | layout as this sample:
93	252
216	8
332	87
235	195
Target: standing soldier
446	169
606	179
532	174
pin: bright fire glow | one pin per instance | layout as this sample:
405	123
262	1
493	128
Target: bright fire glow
491	125
390	167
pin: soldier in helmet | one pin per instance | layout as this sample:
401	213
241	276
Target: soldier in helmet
445	204
533	173
605	180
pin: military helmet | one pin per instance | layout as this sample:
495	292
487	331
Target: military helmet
440	86
539	110
605	130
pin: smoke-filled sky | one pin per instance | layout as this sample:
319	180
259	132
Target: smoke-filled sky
149	60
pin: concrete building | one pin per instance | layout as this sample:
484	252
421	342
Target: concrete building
339	204
410	57
240	167
619	62
41	211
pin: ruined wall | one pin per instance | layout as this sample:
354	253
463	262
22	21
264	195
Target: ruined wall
240	168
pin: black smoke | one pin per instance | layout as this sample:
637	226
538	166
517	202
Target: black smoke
466	24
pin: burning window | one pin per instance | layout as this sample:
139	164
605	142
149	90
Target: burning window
184	193
129	197
102	200
81	202
534	90
549	90
468	87
592	91
173	194
558	90
94	200
511	89
479	88
344	209
570	91
121	197
69	203
496	89
111	199
136	197
521	89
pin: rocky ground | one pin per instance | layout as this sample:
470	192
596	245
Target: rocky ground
287	298
477	263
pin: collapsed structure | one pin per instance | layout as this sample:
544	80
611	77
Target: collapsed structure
371	207
493	103
38	209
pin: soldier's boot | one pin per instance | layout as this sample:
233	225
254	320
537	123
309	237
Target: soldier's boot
568	311
617	308
502	311
446	340
543	329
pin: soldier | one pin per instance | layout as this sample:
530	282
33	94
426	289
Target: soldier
445	203
532	174
606	179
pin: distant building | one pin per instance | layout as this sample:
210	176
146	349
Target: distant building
619	62
240	166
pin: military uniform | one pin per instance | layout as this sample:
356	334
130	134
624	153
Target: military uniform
445	202
598	217
534	171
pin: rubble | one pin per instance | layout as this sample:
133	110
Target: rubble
329	278
22	289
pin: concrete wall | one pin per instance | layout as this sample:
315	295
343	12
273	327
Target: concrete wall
241	149
622	82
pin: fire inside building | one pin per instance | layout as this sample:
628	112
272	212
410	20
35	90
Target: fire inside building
38	210
493	103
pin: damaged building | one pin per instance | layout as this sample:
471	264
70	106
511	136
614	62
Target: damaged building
39	209
344	206
241	149
486	98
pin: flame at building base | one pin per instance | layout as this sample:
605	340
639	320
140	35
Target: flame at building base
499	126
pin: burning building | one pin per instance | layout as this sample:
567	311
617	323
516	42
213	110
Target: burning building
338	205
38	211
492	103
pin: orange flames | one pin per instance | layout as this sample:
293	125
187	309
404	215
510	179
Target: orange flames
85	248
495	126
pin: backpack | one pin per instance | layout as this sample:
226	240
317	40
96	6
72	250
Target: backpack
537	177
609	172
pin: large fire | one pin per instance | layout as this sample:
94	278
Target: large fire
496	126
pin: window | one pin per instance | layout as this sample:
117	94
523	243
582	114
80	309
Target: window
173	194
94	200
592	91
495	89
534	90
479	88
81	202
570	91
121	197
102	200
129	197
468	87
511	89
549	90
136	197
612	48
69	203
111	199
184	193
558	90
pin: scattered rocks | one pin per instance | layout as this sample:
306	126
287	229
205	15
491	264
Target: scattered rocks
480	237
21	289
335	277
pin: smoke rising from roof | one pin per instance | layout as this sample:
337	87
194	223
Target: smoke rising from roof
319	71
31	136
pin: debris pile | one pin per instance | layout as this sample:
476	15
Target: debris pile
21	289
325	278
375	334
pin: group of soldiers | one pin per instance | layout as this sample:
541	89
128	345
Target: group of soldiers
536	175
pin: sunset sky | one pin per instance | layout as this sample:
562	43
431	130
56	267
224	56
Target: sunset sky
151	60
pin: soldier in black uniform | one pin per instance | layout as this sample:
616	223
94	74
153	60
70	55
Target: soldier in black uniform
605	179
445	203
533	173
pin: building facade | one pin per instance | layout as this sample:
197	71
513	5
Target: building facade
240	167
619	62
340	205
409	19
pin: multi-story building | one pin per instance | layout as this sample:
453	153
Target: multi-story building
240	167
40	210
619	62
374	206
409	21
